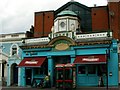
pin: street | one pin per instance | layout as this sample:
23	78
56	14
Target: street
82	88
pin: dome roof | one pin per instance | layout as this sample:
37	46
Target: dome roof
67	13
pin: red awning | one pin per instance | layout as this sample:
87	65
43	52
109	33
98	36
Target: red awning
32	62
90	59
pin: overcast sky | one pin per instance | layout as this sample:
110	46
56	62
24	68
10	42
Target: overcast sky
18	15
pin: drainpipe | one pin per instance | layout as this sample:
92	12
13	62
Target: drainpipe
107	70
108	58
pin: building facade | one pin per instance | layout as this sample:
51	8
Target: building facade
98	18
65	36
3	67
94	54
11	56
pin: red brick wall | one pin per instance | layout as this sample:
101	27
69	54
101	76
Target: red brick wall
100	18
48	23
119	19
114	18
43	22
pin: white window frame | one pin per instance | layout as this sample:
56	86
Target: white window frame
11	50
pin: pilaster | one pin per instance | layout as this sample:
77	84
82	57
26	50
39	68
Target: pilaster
50	69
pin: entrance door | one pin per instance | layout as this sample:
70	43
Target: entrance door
28	76
102	70
92	75
14	74
59	60
81	72
87	75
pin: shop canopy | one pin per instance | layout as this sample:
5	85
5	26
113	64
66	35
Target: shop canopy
90	59
32	62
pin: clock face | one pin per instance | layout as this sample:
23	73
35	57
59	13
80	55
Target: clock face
62	24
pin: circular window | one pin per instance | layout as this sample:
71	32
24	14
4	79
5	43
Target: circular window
62	24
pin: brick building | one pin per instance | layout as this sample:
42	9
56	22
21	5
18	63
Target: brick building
102	18
89	19
93	19
97	18
107	18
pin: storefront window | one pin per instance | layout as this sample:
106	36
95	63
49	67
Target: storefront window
68	73
59	74
38	71
81	70
102	70
91	69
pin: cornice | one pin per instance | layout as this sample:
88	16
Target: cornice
75	44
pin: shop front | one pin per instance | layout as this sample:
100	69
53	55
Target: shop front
96	64
34	68
91	68
93	53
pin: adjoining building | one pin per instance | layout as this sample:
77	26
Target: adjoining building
3	67
93	53
10	57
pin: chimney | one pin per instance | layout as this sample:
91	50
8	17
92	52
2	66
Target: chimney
95	5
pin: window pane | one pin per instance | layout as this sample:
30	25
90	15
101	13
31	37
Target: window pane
91	69
81	70
59	74
102	70
68	73
14	50
38	71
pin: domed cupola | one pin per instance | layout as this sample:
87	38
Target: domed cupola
67	13
66	21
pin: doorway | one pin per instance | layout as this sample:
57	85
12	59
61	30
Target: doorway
59	60
14	74
88	75
28	73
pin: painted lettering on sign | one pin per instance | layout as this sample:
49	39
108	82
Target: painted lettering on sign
90	59
31	62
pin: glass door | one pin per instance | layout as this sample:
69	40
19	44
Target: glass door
92	75
28	76
59	77
87	75
82	75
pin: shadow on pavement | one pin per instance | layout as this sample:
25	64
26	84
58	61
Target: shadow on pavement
81	88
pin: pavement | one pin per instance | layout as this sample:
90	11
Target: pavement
53	88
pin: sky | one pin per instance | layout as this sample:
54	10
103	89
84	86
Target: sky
18	15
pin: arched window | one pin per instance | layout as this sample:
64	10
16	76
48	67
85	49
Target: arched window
14	49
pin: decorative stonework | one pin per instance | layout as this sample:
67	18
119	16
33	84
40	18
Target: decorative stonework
61	46
67	39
